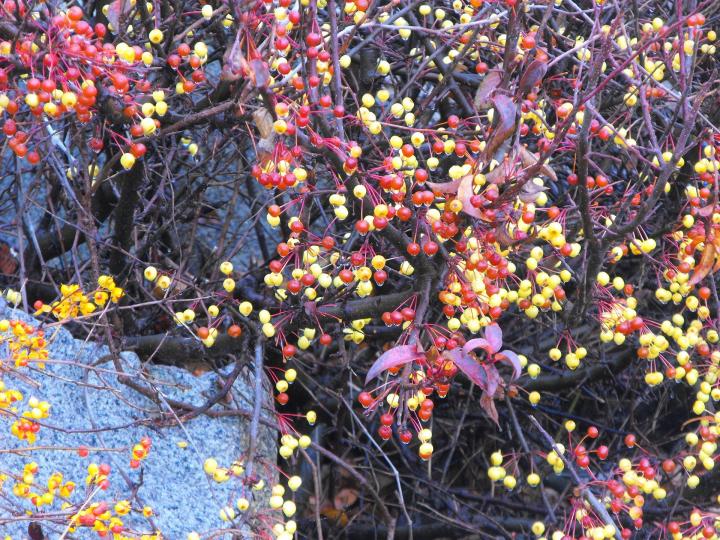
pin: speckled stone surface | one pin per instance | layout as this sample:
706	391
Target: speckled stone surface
91	408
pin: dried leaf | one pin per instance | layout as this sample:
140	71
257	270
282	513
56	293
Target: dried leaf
499	175
705	265
117	12
504	125
486	88
488	405
263	122
472	369
465	194
397	356
530	191
532	76
716	242
529	159
445	187
259	73
511	358
345	498
503	237
234	62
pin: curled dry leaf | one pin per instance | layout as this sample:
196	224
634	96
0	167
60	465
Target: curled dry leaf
259	73
530	191
511	358
264	124
707	261
529	160
234	62
488	405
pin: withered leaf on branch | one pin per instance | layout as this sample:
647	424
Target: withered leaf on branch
532	76
236	66
234	62
530	191
529	159
504	125
486	88
264	123
117	11
488	405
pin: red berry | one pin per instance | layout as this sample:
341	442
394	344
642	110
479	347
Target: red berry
365	399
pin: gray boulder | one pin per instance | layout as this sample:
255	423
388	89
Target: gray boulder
90	407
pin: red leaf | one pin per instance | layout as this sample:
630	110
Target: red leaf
397	356
478	343
472	369
706	211
705	265
494	380
488	405
511	358
494	336
505	111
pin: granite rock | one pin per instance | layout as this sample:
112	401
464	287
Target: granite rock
90	407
